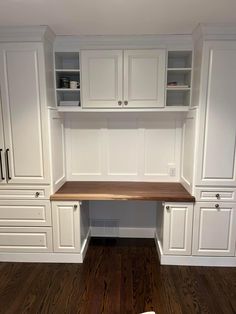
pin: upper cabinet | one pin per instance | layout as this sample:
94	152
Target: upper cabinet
217	130
123	79
102	78
24	147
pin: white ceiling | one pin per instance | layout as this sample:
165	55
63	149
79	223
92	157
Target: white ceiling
120	17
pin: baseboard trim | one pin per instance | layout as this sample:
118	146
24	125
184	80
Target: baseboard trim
123	232
193	260
48	257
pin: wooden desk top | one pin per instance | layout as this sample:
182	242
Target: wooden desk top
149	191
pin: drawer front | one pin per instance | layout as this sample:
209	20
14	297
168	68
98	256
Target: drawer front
25	213
24	192
212	194
19	239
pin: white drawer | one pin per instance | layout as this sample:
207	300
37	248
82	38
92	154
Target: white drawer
24	192
215	194
25	213
19	239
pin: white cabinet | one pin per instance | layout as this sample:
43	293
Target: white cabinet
66	226
117	79
214	230
2	149
25	213
23	98
177	229
28	240
217	144
101	78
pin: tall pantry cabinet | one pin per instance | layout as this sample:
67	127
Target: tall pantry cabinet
26	175
214	179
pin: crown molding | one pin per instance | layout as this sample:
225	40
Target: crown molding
215	32
26	34
71	43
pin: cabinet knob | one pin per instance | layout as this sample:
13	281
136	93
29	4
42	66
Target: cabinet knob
217	206
37	194
218	196
119	102
168	208
126	102
75	207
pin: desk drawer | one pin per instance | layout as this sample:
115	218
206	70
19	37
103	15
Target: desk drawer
215	194
25	213
25	239
24	192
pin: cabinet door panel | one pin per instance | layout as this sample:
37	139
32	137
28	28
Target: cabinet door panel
214	229
178	229
66	226
102	78
28	240
144	78
217	162
25	213
22	101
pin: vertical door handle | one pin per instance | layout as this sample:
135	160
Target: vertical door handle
7	164
1	167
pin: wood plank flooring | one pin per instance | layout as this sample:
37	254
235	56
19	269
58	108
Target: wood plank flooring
120	276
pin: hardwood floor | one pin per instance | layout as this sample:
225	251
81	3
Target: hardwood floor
118	276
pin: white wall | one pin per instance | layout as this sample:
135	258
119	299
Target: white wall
131	147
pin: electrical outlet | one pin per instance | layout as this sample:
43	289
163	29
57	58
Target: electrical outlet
172	172
172	169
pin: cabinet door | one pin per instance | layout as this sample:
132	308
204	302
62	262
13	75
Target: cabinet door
2	150
66	226
177	238
216	164
102	78
144	78
214	231
22	80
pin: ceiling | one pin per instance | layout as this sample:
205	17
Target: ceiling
117	17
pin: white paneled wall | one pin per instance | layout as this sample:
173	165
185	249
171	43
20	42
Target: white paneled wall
144	147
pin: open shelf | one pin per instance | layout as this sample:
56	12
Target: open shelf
67	69
177	98
179	78
179	59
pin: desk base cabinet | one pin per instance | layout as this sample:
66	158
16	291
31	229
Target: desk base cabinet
66	226
214	230
176	234
70	226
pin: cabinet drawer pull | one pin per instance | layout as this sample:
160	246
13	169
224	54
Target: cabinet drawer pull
37	194
218	196
168	208
75	207
217	206
7	164
119	102
1	167
126	102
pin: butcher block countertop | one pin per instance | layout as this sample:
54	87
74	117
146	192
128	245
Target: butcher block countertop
105	190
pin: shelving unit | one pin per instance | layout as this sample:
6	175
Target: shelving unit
179	78
67	68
